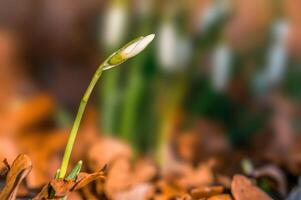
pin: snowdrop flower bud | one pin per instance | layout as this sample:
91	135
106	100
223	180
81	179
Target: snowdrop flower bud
128	51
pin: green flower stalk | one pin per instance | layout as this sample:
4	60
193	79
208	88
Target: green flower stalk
128	51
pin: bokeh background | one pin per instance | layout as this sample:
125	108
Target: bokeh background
222	77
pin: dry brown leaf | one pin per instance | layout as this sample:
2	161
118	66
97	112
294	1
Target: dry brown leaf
63	187
243	189
274	173
45	160
88	194
206	191
164	190
192	177
223	180
119	177
111	150
75	196
43	194
138	192
123	176
206	134
84	179
221	197
34	110
144	170
4	168
187	197
8	148
24	113
18	171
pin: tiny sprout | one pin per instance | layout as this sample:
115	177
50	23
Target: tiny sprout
75	171
57	174
128	51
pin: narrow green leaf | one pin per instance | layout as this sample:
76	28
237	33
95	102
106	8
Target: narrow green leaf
57	174
75	171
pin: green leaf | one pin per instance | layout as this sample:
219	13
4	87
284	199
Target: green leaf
75	171
57	174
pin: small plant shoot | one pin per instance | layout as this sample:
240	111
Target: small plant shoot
130	50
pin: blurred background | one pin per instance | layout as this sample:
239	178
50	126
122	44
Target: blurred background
221	79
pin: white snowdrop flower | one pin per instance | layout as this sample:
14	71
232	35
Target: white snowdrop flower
208	17
115	22
129	50
212	13
173	50
280	30
167	46
276	59
221	67
277	55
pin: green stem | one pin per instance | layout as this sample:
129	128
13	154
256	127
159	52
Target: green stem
115	59
77	120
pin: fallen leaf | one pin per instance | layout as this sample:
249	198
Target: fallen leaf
84	179
111	150
165	190
9	150
43	194
206	134
186	197
223	180
34	110
18	171
45	160
274	173
62	187
206	191
144	170
119	176
243	189
138	192
187	176
220	197
4	168
88	194
123	176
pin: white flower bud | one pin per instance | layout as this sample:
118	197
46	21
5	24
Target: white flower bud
128	51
